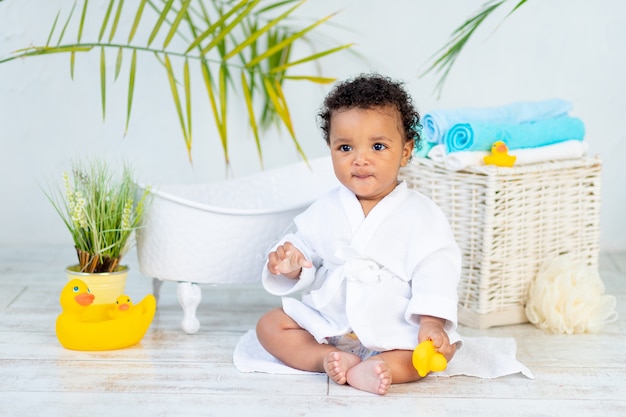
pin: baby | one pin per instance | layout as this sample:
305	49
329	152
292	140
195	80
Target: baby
375	263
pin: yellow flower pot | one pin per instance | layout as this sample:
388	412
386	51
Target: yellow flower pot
105	286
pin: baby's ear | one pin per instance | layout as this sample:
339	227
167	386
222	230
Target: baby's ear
407	152
411	144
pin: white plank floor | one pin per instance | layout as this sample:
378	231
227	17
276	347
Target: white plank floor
171	373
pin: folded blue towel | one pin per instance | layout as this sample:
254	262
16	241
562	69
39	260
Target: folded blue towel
480	136
438	122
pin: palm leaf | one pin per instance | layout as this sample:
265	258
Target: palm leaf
159	23
79	37
221	129
131	88
118	62
310	58
135	25
277	97
116	20
187	83
175	96
67	22
317	80
219	23
444	59
287	41
54	25
258	33
251	116
174	27
105	20
47	50
103	81
223	77
215	32
226	29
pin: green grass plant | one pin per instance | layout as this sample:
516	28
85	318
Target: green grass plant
101	207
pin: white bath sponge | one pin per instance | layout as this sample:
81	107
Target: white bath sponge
568	297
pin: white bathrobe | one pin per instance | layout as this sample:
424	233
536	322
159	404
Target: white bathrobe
372	275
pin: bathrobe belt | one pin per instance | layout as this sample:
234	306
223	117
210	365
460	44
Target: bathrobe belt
358	270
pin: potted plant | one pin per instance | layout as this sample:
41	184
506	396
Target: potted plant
101	207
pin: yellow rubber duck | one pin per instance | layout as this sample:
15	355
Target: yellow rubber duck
123	306
500	155
426	359
84	326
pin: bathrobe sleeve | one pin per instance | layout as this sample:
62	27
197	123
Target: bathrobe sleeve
280	285
435	262
312	227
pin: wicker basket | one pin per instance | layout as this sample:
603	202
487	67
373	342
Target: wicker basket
507	221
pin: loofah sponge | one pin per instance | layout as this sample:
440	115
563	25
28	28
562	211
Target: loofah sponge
568	297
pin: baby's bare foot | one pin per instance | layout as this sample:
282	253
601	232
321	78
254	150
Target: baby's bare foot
372	376
336	365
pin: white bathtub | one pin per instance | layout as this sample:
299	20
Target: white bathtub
221	232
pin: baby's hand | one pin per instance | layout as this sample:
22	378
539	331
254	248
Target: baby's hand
287	260
431	328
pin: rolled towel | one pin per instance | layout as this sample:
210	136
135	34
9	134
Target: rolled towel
570	149
480	136
438	122
438	153
424	149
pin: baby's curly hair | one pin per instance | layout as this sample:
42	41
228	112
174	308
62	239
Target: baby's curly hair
365	92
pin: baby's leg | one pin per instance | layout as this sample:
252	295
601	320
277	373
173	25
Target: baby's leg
281	336
337	364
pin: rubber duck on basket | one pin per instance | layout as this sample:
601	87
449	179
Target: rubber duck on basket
426	359
500	155
84	326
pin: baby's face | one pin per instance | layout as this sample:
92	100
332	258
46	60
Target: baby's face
367	148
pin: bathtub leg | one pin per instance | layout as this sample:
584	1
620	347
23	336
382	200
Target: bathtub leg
156	288
189	296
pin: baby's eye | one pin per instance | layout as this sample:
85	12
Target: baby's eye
379	147
345	148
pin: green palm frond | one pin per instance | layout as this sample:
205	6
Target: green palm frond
243	50
443	60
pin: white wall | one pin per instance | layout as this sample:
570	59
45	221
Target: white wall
572	49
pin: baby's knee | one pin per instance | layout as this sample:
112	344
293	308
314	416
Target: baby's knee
270	322
264	323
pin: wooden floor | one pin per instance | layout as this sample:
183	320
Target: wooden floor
171	373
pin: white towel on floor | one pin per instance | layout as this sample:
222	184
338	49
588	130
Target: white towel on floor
482	357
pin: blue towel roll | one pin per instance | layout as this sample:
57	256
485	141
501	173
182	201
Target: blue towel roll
438	122
480	136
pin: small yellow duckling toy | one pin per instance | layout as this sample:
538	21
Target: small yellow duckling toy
426	359
500	155
123	305
84	326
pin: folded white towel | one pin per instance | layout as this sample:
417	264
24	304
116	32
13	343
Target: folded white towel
482	357
457	161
